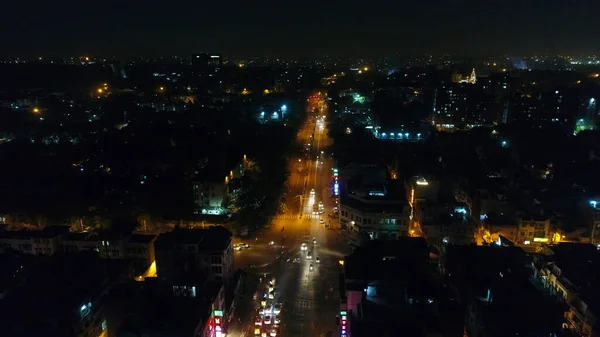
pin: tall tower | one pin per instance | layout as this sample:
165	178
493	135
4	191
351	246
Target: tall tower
473	77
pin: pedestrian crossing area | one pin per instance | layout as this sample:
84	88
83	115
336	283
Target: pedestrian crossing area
296	217
302	304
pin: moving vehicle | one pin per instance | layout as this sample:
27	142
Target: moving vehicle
258	321
276	320
269	309
267	320
304	247
314	241
273	333
309	256
312	192
261	311
311	267
318	260
322	221
277	308
256	331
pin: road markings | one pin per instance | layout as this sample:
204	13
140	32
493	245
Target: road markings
295	217
302	304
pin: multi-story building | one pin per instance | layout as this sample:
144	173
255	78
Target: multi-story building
534	229
386	277
214	188
187	310
42	242
594	208
195	251
495	285
380	210
446	224
371	203
61	296
572	275
138	249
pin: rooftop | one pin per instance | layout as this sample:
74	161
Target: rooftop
216	170
478	267
385	260
580	265
214	238
165	313
141	238
46	232
517	308
381	198
52	293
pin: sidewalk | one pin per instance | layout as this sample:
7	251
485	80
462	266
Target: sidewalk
244	311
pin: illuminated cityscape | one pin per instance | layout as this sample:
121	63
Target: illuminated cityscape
234	170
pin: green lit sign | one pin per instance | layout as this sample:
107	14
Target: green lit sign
218	313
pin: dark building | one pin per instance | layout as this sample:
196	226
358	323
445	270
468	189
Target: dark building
195	253
62	296
494	284
386	286
161	313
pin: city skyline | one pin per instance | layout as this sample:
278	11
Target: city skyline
307	29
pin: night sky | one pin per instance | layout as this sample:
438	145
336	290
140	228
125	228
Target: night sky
298	28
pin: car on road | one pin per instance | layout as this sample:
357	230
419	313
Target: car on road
314	241
311	267
312	192
269	309
309	256
276	320
304	247
256	331
322	221
318	260
273	333
277	308
261	311
267	320
258	321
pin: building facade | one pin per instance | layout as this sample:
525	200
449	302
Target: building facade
195	251
213	189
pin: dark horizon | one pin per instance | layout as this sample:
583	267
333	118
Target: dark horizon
289	30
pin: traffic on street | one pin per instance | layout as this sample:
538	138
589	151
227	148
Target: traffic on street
296	260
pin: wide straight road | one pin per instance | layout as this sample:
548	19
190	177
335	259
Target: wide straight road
309	298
